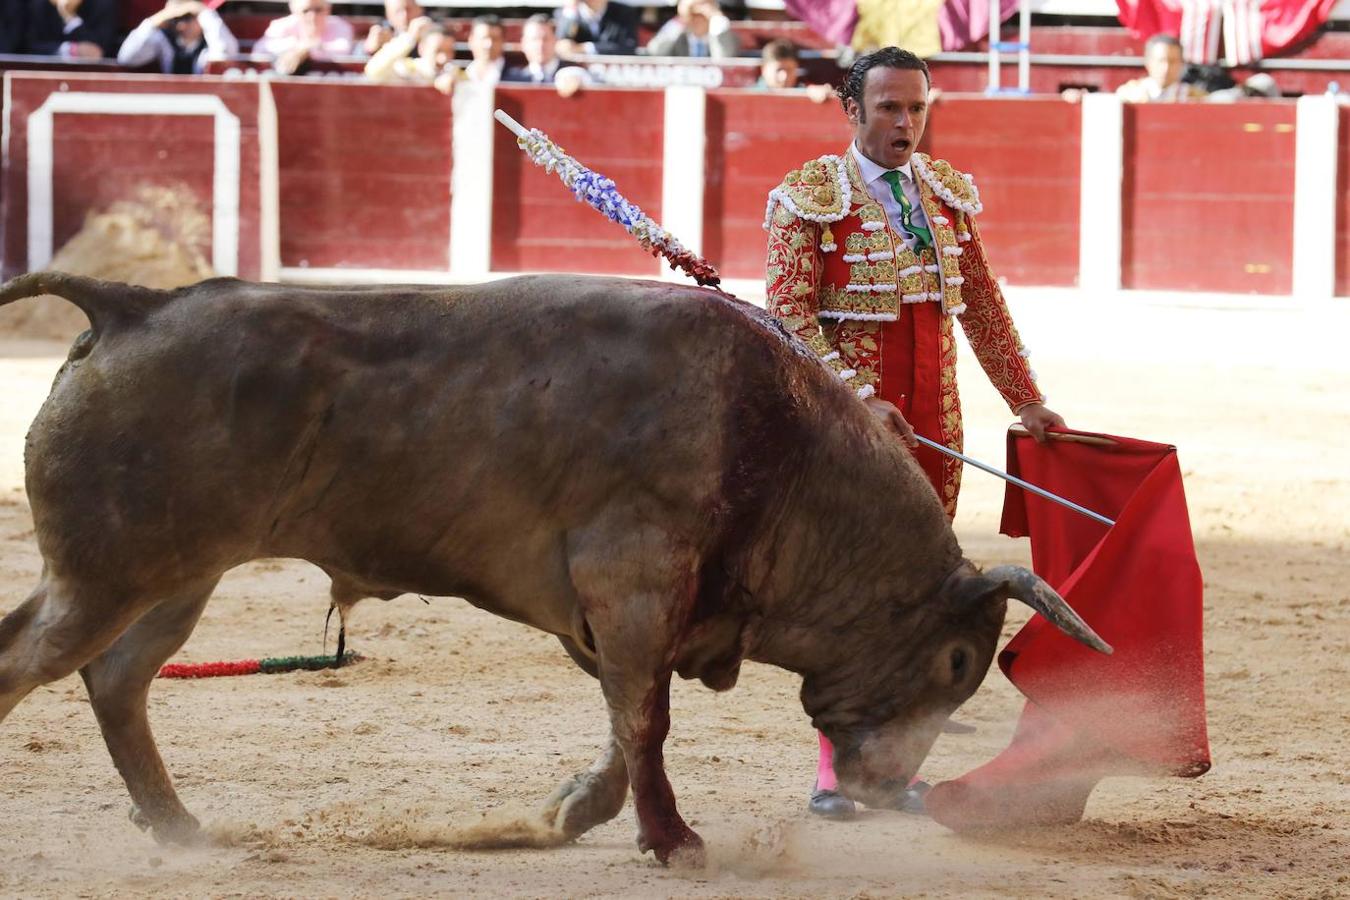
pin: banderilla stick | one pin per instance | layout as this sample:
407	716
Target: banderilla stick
1013	479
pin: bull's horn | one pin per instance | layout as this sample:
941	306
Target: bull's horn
1025	585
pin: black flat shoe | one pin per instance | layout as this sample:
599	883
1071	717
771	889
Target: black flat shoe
831	805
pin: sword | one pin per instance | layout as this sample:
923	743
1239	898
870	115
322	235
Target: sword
1013	479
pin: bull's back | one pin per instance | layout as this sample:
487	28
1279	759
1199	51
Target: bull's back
401	432
532	406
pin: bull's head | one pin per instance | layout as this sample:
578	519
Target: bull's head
884	723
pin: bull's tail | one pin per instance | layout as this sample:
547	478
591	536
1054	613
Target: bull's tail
106	303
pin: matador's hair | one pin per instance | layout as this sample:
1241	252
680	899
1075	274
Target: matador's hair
889	57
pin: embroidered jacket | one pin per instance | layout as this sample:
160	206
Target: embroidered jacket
833	257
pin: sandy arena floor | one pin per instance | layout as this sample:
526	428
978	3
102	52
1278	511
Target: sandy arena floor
342	784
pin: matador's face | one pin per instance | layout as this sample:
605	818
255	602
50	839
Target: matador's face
889	122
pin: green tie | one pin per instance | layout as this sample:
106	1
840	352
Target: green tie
922	236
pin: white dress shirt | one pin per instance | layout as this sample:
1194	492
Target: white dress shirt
544	74
490	75
880	190
148	41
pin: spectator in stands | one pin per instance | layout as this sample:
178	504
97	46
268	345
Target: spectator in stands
309	32
487	43
779	65
72	29
398	15
180	39
780	69
699	29
539	43
1162	82
435	48
596	26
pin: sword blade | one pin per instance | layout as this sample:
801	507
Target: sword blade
1013	479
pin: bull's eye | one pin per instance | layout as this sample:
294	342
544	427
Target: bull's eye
958	663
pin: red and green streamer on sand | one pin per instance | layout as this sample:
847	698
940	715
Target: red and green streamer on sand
273	665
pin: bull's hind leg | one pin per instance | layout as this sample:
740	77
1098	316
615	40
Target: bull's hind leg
590	797
17	674
595	795
60	627
118	681
637	588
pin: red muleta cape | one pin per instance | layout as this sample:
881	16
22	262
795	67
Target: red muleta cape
1140	710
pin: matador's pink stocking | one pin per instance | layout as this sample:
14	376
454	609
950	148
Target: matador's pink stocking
825	780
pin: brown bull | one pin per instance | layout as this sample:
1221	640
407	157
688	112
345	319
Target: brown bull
657	475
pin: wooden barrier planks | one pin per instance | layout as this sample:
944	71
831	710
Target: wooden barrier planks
753	140
364	180
364	175
536	224
1342	188
1025	157
109	136
161	151
1208	197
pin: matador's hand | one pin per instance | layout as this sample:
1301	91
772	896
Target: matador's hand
890	415
1037	417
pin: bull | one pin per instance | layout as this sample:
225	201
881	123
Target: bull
658	475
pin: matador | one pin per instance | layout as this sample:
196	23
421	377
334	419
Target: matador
872	255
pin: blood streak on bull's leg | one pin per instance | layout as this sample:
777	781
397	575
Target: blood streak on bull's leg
637	583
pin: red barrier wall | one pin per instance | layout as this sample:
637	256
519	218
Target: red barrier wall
1048	81
1026	159
1343	205
536	224
365	175
753	141
1208	197
101	158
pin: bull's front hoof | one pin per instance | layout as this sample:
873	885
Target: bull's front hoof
183	830
581	803
138	818
681	848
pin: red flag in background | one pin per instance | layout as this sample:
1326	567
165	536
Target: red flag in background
1250	29
1140	710
1145	18
1281	24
